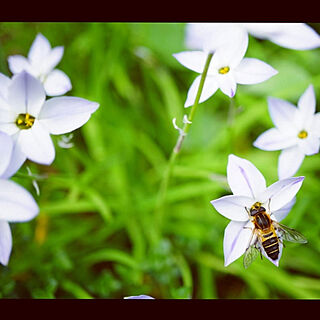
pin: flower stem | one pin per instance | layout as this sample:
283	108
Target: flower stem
176	150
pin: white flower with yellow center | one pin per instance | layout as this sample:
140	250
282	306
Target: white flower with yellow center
41	63
227	68
249	187
16	203
296	132
29	119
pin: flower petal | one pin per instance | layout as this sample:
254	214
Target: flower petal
65	114
315	126
232	52
236	240
289	162
16	203
310	145
209	88
36	144
281	192
251	71
211	36
142	296
18	63
6	146
283	212
7	121
4	84
193	60
307	108
52	59
282	114
26	94
298	36
39	49
274	139
227	84
244	178
16	160
57	83
5	242
233	207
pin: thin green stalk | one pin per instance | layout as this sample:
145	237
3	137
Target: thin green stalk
176	150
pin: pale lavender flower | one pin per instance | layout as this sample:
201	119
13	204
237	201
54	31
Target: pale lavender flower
41	63
227	68
30	119
296	132
249	187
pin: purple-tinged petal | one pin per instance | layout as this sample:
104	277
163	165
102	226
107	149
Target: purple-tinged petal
289	162
16	203
227	84
16	161
283	212
236	240
5	242
26	94
4	84
281	192
6	146
274	139
233	207
142	296
244	178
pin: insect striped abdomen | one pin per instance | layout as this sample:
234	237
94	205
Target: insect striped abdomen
271	247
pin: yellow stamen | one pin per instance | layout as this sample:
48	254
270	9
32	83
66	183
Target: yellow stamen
302	134
224	70
25	121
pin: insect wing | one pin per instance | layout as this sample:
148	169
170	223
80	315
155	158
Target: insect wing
289	234
251	254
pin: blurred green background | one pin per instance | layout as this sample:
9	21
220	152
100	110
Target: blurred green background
96	235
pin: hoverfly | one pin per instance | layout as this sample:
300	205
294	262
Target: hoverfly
267	235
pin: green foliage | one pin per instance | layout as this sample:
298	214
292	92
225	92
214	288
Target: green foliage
96	235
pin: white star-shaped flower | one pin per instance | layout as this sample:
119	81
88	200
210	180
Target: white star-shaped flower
30	119
249	187
296	132
227	68
41	63
298	36
16	203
